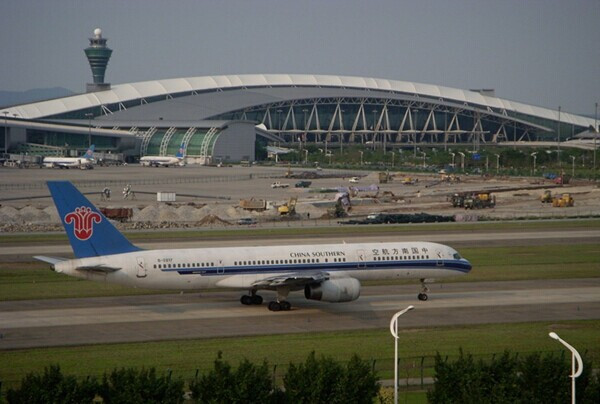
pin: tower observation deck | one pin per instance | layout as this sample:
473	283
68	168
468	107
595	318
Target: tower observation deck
98	55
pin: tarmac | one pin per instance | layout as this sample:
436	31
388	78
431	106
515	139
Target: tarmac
68	322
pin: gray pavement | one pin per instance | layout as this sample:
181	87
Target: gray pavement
40	323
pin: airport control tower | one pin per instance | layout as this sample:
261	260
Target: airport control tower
98	55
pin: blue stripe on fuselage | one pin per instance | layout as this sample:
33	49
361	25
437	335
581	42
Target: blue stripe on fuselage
454	265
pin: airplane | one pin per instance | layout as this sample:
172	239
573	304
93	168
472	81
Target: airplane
327	272
165	161
83	162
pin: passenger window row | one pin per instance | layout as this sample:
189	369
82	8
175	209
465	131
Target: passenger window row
192	265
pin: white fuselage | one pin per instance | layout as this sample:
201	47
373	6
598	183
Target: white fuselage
67	162
242	267
160	161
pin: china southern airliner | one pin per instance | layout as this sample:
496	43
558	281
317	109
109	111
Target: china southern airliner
325	272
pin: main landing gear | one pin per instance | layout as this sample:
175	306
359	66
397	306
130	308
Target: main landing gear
251	299
281	304
424	289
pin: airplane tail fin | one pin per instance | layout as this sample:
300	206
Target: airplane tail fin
89	232
89	154
181	152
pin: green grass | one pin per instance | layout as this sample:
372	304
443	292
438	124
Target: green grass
23	281
185	356
259	232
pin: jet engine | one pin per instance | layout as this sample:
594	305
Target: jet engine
334	290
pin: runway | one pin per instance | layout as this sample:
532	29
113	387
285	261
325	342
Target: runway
39	323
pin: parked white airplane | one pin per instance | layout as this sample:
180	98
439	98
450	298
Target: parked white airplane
165	161
330	273
83	162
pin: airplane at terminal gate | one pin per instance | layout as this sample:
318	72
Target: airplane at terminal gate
325	272
165	161
83	162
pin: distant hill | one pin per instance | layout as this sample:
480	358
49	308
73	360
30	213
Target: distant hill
10	98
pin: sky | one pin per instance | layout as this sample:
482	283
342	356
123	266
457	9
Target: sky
540	52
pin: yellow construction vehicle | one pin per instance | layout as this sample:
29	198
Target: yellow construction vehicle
288	208
564	201
408	181
546	197
384	177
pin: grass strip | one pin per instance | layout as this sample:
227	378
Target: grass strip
184	357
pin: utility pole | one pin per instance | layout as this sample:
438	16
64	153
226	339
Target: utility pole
6	132
558	140
595	137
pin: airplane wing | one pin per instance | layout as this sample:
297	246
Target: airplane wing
292	279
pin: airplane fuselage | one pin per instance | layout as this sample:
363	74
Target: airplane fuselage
243	267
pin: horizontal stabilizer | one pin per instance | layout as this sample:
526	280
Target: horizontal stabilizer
49	260
98	268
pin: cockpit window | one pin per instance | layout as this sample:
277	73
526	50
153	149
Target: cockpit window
457	256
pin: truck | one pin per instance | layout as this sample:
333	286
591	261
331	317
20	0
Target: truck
564	201
302	184
480	201
253	204
278	184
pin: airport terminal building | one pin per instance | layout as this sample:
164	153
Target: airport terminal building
219	117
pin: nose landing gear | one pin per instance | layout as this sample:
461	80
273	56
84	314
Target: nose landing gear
424	289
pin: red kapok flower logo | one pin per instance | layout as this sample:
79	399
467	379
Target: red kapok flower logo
83	219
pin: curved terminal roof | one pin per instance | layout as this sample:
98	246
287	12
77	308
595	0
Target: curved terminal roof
122	93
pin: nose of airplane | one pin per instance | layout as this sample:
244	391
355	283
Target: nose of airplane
468	265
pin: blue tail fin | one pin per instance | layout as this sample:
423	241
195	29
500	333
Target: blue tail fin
90	233
181	153
89	154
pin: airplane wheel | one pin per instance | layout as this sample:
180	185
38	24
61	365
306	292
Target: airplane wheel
257	300
246	300
422	297
274	306
285	305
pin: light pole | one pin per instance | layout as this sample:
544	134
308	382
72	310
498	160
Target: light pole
558	139
305	134
394	332
89	116
415	133
534	155
329	155
573	166
305	156
595	136
6	133
423	153
574	356
361	157
497	162
393	155
462	161
453	155
374	133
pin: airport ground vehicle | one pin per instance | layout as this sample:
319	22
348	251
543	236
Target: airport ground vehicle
480	201
288	208
278	184
253	204
564	201
546	197
247	221
302	184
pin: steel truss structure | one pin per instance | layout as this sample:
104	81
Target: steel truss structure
383	121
